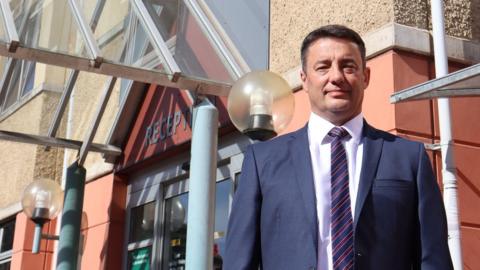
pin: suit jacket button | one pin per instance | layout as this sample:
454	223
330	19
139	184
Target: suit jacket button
359	254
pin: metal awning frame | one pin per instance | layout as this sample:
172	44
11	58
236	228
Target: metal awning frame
441	87
198	85
12	48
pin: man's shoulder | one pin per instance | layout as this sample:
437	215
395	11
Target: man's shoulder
391	139
279	143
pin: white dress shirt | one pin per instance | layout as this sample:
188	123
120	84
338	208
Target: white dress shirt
319	144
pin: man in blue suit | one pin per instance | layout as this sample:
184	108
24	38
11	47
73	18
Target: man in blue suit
338	193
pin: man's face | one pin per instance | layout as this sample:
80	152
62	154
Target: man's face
335	79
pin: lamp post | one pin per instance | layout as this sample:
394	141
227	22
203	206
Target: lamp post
42	200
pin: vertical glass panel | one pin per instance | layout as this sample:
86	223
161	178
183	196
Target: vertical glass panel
3	62
11	95
175	236
28	77
249	32
125	86
141	222
5	266
222	210
7	240
3	35
40	27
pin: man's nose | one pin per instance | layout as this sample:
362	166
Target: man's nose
336	75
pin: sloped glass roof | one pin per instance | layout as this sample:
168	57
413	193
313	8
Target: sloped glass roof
39	27
3	37
185	44
54	45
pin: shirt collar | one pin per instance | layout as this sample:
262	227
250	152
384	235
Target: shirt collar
318	128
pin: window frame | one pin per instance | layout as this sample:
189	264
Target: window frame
6	256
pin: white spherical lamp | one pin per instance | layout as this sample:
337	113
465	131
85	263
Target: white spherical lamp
261	104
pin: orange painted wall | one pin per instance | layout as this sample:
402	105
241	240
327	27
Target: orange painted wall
22	257
103	223
102	230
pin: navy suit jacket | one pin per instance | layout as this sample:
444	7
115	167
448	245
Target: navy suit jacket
399	218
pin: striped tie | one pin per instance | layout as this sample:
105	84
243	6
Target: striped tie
341	215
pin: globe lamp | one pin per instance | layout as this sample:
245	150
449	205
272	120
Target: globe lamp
42	200
260	104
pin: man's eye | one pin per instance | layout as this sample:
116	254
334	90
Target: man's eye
350	69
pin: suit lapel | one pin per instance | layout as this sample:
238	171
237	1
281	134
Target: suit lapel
372	149
300	155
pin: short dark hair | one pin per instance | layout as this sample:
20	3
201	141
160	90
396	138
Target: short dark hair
333	31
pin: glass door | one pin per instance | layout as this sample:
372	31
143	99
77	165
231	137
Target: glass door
141	237
175	229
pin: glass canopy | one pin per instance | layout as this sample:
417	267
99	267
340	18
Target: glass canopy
185	44
197	45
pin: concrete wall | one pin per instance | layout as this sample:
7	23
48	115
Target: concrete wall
462	17
22	163
292	20
86	98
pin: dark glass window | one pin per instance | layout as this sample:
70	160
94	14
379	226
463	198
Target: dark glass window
175	230
175	236
141	222
7	236
7	231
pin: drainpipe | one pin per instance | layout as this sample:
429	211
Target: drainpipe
446	141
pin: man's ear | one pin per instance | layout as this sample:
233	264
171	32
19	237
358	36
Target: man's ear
303	77
366	76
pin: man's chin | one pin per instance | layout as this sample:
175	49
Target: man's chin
339	106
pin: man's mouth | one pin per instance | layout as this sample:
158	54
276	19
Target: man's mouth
337	92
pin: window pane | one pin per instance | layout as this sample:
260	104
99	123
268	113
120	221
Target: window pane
8	232
176	212
12	90
28	75
141	222
222	209
5	266
175	232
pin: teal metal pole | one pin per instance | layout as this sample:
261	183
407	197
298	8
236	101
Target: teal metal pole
37	238
69	240
201	200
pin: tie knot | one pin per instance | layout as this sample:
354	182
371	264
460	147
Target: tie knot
338	133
